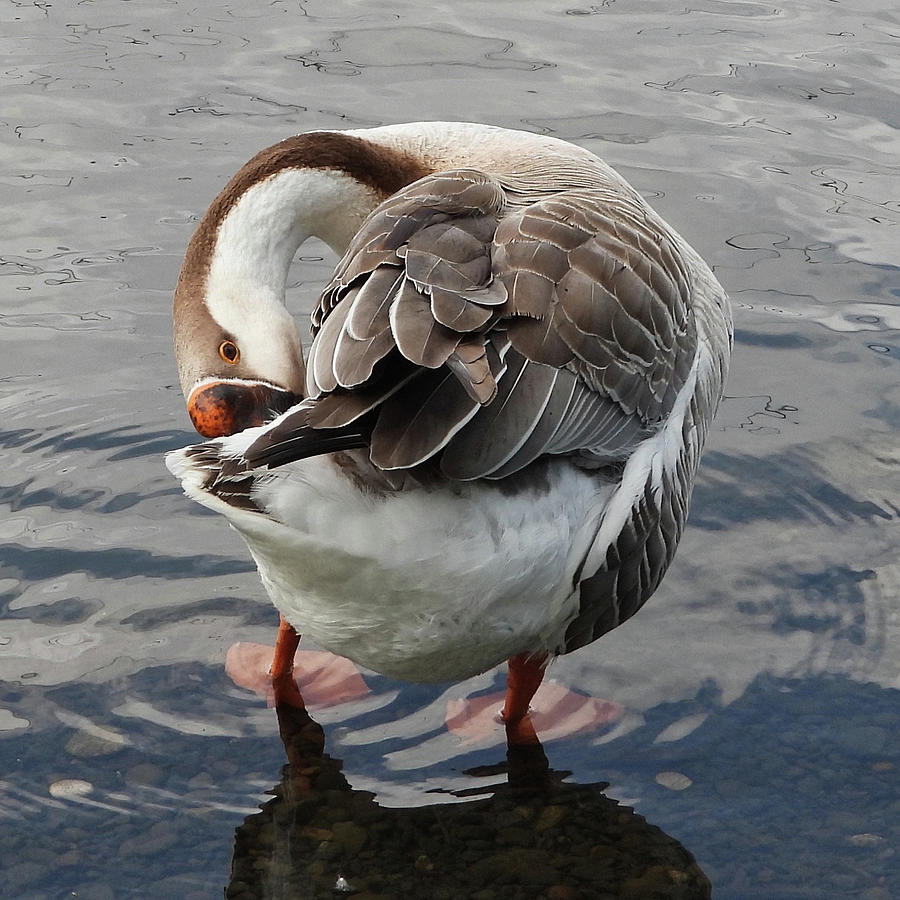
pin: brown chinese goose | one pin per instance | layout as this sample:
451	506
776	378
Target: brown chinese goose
512	375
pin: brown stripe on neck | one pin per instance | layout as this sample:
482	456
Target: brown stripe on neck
383	169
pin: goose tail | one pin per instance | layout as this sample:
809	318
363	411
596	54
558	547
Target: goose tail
228	469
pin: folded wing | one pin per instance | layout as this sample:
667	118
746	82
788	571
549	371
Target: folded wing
463	327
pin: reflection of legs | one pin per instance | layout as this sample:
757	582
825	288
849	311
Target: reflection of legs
304	744
524	677
282	671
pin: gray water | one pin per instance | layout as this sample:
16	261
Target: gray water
760	686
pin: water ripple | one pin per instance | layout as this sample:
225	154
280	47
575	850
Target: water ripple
351	53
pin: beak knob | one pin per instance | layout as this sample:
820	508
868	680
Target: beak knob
220	408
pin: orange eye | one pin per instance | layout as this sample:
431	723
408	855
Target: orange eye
228	350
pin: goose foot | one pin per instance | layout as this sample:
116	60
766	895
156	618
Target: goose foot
328	680
555	713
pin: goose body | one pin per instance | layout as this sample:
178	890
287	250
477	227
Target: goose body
491	448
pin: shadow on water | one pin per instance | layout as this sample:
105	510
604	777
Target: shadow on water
529	835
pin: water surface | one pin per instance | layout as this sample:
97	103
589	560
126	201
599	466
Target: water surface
761	685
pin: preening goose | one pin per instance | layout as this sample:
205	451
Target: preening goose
512	374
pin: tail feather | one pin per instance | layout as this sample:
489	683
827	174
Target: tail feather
228	469
209	471
291	439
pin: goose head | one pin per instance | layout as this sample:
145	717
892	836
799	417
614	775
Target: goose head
238	352
234	374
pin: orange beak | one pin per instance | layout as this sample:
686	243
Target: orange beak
220	408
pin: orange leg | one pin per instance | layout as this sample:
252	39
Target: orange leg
526	671
282	671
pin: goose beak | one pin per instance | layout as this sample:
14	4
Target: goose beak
220	408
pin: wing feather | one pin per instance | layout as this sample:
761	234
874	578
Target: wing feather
369	314
540	440
320	366
417	334
455	311
505	424
419	420
492	334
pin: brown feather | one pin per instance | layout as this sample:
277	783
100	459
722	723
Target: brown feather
354	361
589	293
540	340
418	336
470	363
502	426
319	372
370	306
455	311
419	420
340	407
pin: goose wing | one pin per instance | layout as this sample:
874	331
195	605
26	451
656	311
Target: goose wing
492	333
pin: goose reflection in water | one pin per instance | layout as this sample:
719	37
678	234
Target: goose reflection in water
532	835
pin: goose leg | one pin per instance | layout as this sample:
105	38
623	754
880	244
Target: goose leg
523	678
282	670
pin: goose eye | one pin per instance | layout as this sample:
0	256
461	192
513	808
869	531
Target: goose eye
228	350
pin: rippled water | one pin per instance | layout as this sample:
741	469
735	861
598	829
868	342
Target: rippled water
761	685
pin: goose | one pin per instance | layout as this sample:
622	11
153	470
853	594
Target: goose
489	454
